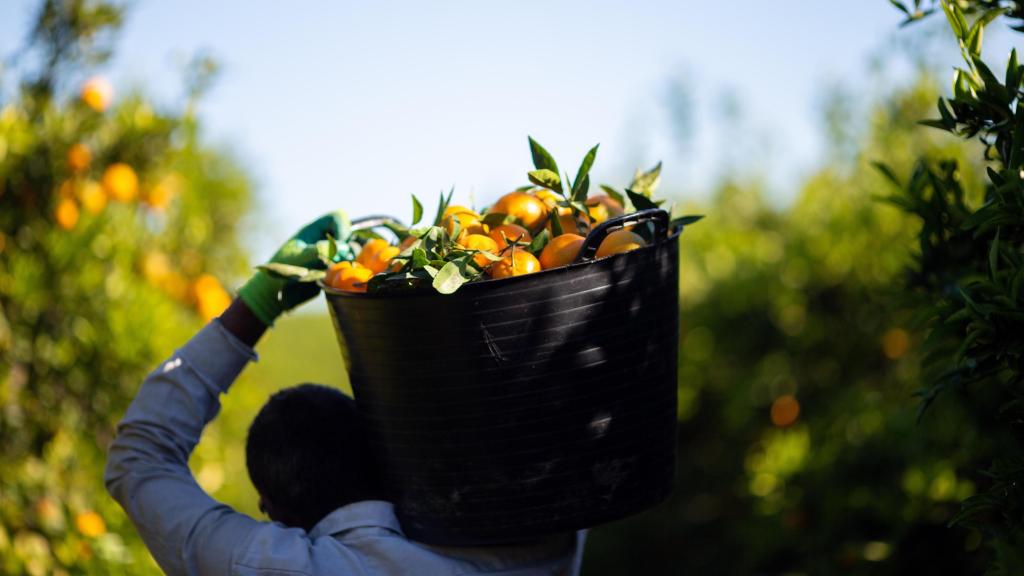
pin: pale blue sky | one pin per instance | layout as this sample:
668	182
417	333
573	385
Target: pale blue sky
358	104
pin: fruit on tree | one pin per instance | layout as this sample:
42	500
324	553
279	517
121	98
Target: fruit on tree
120	182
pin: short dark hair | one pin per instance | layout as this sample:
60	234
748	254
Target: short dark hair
307	454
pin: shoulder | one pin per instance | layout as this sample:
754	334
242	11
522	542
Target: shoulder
273	549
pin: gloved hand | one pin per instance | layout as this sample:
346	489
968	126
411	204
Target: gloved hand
269	295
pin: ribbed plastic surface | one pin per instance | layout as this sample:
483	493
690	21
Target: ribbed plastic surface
525	406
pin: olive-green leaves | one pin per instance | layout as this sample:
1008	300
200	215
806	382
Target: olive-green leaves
547	179
417	210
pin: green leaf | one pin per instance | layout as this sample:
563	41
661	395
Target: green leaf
492	219
993	255
956	18
974	39
888	173
417	210
327	249
614	194
542	159
419	258
539	241
640	202
685	220
646	182
582	180
450	277
900	6
1012	72
556	223
547	178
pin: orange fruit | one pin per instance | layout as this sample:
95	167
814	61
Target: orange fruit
369	252
549	198
480	242
348	276
618	242
66	213
571	224
513	232
409	241
90	524
516	263
382	259
211	297
97	93
602	207
561	251
159	196
458	210
93	197
527	208
468	224
79	157
120	182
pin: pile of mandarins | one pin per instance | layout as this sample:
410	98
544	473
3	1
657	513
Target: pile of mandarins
502	250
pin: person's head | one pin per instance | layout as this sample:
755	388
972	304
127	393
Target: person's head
307	455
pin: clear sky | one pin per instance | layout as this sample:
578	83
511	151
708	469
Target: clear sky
358	104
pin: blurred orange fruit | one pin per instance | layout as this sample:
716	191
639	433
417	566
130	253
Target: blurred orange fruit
785	411
370	249
156	266
480	242
506	233
79	157
407	242
467	224
348	276
602	207
159	196
211	297
527	208
121	182
93	197
97	93
618	242
90	524
66	213
561	251
517	263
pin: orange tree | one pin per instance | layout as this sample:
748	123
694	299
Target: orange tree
799	450
113	214
968	280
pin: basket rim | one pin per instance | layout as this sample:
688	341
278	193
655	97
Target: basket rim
672	236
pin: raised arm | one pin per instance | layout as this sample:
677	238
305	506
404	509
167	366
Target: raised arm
186	530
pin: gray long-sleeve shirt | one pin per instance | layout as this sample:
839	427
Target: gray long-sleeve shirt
188	532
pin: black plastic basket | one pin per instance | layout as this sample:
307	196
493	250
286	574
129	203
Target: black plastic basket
524	406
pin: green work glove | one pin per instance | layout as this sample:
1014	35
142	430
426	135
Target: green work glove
269	295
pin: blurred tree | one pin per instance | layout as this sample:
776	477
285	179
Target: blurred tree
969	274
798	448
112	215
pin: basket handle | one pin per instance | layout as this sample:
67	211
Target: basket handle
598	234
374	221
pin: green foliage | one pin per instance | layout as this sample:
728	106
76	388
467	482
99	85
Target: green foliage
793	306
969	273
111	216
